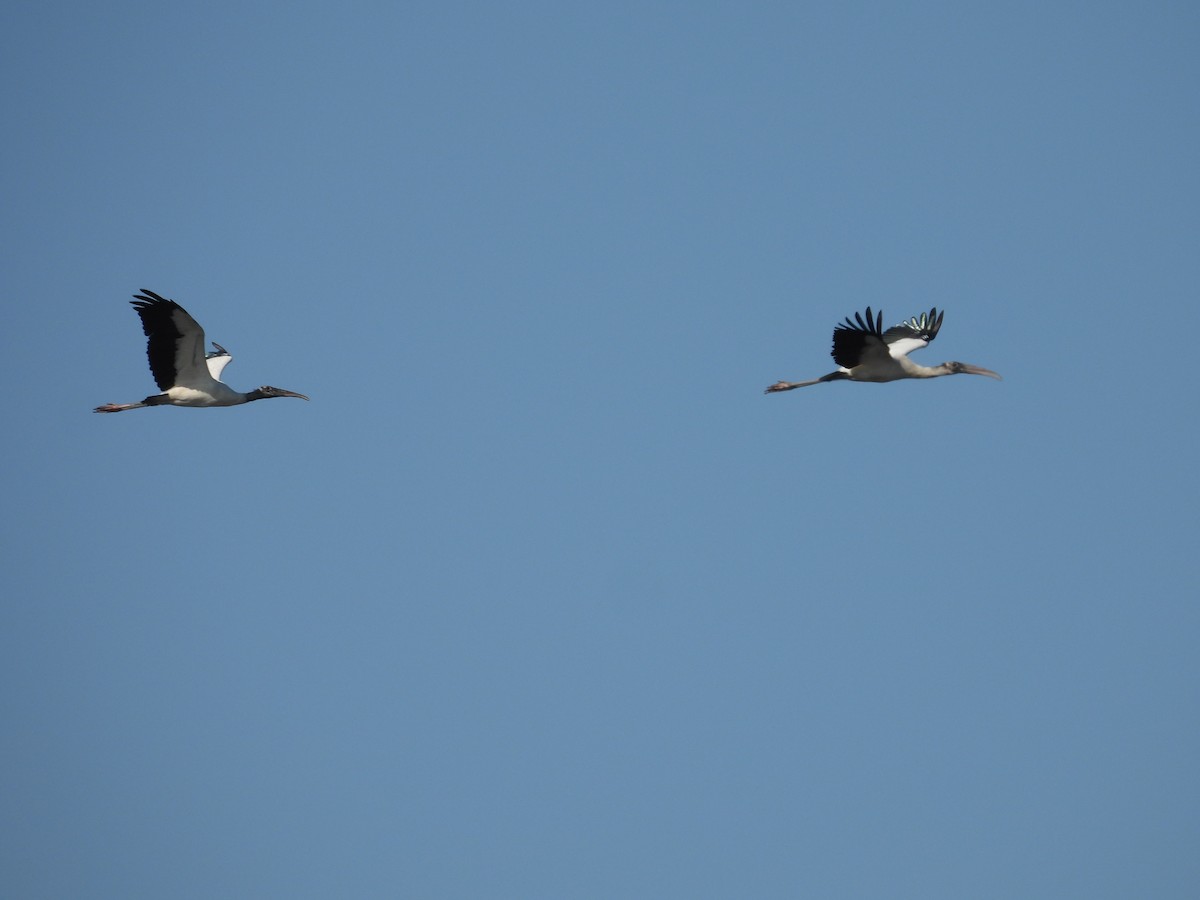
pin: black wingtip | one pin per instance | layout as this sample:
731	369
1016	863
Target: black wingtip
869	322
147	296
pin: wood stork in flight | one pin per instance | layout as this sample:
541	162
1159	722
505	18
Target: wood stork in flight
865	352
186	375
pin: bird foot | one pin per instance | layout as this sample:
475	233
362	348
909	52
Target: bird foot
779	386
108	407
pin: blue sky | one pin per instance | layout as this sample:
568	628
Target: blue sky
540	596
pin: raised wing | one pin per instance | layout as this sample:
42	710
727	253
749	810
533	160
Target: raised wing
914	334
174	341
217	360
855	343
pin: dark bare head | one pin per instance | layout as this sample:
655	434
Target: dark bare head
267	391
958	368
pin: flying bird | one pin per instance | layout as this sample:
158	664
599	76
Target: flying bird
186	375
865	352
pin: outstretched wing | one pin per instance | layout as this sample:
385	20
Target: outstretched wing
859	342
914	334
174	341
217	360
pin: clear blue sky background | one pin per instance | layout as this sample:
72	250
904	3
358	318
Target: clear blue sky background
540	597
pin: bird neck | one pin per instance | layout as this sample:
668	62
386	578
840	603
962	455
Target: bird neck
915	370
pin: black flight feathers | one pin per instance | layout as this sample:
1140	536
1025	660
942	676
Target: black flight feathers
924	327
873	325
850	340
155	311
160	326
